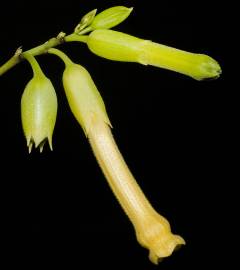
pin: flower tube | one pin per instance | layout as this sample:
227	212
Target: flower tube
119	46
152	230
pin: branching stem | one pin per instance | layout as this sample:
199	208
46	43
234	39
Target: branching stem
41	49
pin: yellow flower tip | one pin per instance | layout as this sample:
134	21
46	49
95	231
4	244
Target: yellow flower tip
161	245
210	69
165	248
155	234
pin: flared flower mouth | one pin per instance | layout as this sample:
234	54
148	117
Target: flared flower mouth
155	234
164	249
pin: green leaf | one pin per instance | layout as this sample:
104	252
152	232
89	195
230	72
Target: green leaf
85	21
110	17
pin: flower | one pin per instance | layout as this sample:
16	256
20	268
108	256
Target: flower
38	108
152	230
119	46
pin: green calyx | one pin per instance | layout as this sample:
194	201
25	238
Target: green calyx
38	108
82	94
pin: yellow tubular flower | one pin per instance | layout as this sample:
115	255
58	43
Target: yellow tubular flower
152	230
119	46
38	108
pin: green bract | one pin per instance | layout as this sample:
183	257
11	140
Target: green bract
119	46
38	108
110	17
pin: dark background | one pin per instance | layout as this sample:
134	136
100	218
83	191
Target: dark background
57	206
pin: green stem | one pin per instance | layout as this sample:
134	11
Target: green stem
53	42
9	64
37	71
75	37
41	49
63	56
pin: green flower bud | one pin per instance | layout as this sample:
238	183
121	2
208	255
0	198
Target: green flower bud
38	108
118	46
85	21
110	17
83	97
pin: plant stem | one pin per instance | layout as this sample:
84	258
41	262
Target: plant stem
9	64
63	56
75	37
37	71
41	49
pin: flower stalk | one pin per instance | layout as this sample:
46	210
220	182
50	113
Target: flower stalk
152	230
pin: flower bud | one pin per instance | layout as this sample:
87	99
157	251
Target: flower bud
119	46
111	17
85	21
38	109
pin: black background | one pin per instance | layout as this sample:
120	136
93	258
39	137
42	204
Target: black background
57	206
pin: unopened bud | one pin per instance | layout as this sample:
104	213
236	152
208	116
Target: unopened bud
119	46
110	17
